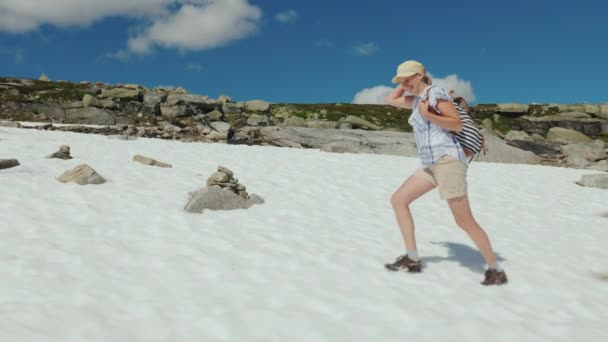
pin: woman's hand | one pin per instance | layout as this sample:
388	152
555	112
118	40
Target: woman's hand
424	109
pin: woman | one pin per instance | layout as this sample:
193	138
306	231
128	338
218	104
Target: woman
443	166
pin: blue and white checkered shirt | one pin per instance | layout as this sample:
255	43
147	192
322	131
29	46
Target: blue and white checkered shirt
432	141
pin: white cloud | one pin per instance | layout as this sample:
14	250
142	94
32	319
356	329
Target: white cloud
287	16
374	95
377	94
181	24
27	15
452	82
200	27
366	49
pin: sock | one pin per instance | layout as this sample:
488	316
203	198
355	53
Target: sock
413	254
494	266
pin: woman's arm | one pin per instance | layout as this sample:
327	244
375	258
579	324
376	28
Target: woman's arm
448	119
396	98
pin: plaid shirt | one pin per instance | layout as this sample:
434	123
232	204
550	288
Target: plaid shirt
432	141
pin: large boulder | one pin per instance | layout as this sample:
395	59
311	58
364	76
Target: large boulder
172	112
122	94
8	163
82	174
257	106
513	108
358	122
594	181
500	152
258	120
90	101
564	135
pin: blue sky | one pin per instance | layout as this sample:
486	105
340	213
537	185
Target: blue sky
315	51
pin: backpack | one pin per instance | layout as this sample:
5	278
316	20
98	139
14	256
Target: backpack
470	138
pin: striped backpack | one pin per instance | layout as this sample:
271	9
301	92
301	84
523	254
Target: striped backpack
470	138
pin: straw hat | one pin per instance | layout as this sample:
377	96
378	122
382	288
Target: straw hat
408	68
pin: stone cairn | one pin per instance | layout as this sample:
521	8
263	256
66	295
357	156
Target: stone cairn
63	153
224	178
222	192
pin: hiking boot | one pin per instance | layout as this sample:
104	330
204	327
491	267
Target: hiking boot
404	262
494	277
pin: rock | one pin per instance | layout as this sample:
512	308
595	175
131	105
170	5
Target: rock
152	99
90	101
223	192
564	135
592	109
168	127
202	102
542	124
518	135
223	130
602	165
500	152
258	120
122	94
44	78
603	111
172	112
215	115
576	115
223	99
217	198
232	108
294	121
348	125
342	147
149	161
488	124
12	92
13	124
257	106
63	153
108	104
82	174
8	163
322	124
180	90
358	122
594	181
225	170
90	116
513	108
591	152
72	105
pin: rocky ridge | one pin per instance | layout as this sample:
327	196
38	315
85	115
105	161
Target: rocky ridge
555	134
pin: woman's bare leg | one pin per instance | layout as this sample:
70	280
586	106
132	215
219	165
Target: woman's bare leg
464	219
408	192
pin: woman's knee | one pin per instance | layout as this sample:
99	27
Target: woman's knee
399	201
